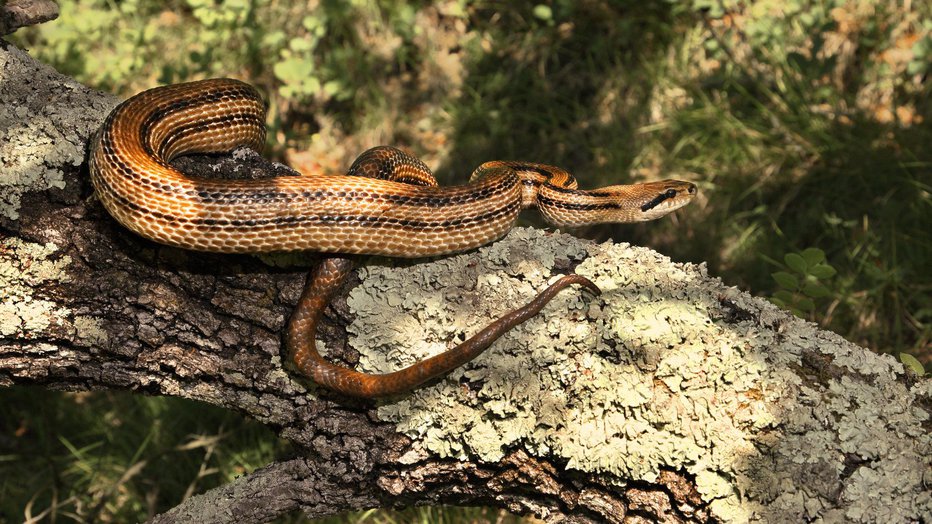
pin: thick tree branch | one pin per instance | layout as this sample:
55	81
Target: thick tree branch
15	14
672	397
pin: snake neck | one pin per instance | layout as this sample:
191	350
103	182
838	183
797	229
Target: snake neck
554	192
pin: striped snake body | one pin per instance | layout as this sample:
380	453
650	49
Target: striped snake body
388	203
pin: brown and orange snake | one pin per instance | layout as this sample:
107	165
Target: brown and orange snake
388	203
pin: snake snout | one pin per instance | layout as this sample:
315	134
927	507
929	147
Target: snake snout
681	192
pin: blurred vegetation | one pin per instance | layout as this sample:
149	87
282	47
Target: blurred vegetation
806	125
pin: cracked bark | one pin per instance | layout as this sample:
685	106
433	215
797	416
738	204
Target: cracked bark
129	314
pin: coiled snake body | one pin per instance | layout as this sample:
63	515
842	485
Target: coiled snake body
388	204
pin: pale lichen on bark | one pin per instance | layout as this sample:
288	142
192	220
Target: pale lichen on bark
653	374
44	122
24	268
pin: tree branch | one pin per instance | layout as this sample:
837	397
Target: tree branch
672	397
15	14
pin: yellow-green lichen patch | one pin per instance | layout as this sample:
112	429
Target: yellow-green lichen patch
24	268
44	126
89	329
650	375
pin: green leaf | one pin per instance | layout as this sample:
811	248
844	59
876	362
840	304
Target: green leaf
806	304
815	290
315	25
796	262
294	70
274	39
332	87
813	256
310	22
543	12
784	296
777	302
916	67
912	363
823	271
786	280
300	45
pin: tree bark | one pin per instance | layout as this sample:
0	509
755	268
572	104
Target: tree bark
15	14
671	397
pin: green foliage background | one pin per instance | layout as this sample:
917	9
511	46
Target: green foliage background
805	124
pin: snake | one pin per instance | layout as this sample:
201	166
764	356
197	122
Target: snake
387	203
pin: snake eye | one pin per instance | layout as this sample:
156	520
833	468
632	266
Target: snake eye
670	193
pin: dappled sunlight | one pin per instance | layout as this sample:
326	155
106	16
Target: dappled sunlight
803	126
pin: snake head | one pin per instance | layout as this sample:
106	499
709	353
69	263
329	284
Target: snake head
657	199
613	204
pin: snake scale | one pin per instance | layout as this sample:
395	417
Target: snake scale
388	204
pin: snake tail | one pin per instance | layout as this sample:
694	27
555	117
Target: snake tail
324	281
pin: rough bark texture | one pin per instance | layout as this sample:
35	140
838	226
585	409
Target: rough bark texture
671	398
15	14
